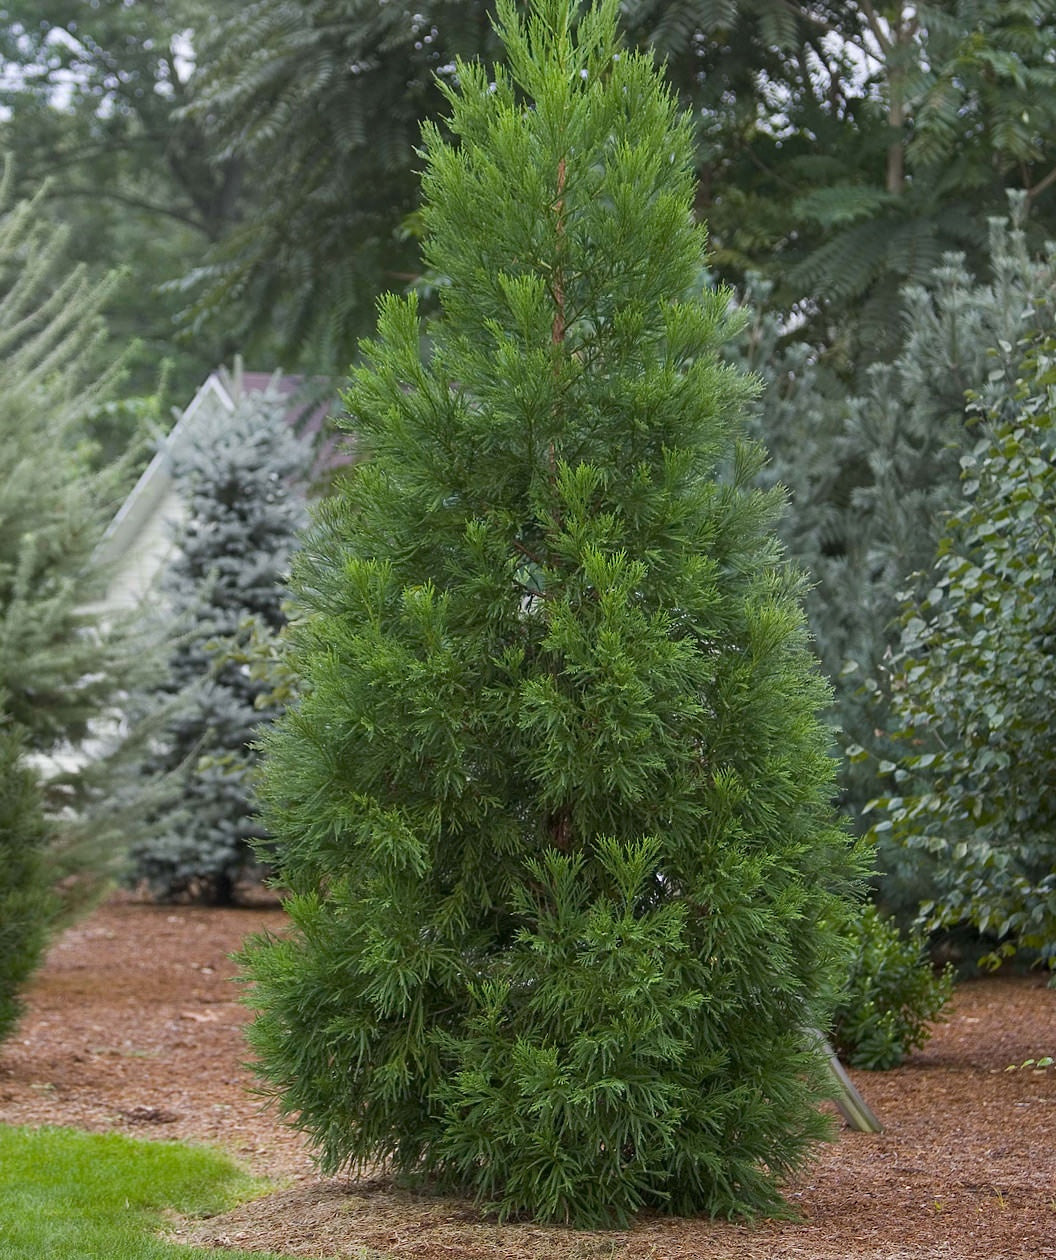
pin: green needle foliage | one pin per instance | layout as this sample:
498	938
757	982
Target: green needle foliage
26	905
62	672
56	668
553	808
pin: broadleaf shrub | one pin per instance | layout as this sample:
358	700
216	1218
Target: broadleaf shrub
973	682
893	994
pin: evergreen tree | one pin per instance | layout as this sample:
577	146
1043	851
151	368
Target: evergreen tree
53	508
60	670
26	904
553	808
236	475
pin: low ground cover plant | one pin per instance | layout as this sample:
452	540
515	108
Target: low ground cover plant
67	1195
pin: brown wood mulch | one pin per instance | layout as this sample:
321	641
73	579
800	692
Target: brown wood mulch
134	1024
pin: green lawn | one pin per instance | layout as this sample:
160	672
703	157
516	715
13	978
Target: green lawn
67	1195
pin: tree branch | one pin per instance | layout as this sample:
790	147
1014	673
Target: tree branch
136	203
887	45
1042	184
530	555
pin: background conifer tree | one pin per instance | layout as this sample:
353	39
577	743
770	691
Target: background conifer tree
61	671
871	471
56	676
238	477
554	806
26	905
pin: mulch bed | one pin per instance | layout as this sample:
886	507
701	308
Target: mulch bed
134	1024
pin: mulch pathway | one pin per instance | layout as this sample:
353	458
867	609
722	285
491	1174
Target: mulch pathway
135	1024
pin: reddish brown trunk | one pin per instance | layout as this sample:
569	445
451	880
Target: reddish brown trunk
559	825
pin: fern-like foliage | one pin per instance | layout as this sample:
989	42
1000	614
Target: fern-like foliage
324	99
793	106
990	86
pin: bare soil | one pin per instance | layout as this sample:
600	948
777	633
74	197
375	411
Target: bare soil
134	1024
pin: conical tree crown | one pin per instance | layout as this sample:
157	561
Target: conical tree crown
237	477
554	805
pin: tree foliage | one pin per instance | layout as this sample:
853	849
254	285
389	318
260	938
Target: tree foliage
891	997
26	904
843	149
56	670
865	143
259	159
973	680
323	99
59	668
553	808
237	477
871	472
94	96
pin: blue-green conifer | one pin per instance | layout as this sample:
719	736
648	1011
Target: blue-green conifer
238	475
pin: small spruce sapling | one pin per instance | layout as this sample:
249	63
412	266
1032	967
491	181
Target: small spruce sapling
554	807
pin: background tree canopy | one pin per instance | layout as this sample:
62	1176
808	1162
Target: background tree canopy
260	158
94	95
252	171
841	150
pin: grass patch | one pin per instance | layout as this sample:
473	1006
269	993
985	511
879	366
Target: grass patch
68	1195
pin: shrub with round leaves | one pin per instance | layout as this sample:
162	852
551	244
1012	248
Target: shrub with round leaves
974	682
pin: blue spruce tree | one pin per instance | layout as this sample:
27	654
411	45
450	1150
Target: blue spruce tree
238	479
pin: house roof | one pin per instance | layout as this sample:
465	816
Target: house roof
138	540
